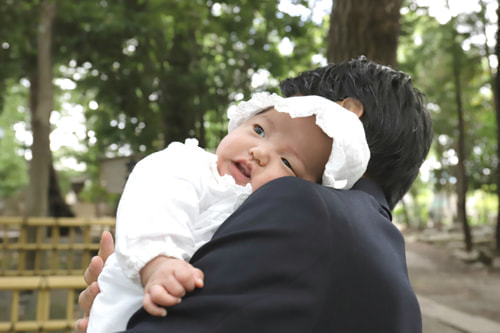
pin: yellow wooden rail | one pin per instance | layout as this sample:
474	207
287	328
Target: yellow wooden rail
41	270
40	287
37	246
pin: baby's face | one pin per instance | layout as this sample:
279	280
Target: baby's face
272	145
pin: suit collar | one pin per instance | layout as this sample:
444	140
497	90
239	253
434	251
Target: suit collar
370	187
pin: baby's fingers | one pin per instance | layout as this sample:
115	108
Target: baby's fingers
161	297
198	277
152	308
189	278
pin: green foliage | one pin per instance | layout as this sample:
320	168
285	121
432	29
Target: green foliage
431	63
413	211
158	69
13	167
163	71
17	42
482	207
150	72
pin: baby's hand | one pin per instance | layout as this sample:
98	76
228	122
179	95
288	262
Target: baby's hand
166	280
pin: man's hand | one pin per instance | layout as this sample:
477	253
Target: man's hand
86	298
166	280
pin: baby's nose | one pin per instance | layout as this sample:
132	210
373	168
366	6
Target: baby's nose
260	154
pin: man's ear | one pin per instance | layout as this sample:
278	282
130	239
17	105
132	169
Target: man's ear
354	105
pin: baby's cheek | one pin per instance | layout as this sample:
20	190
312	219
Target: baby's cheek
264	179
257	182
255	185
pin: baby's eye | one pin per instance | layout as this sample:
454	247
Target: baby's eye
259	130
285	162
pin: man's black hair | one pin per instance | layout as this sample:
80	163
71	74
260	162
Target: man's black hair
397	124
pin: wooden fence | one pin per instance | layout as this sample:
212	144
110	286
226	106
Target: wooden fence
42	261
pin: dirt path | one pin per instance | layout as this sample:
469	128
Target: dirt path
437	275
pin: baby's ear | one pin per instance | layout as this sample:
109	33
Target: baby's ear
354	105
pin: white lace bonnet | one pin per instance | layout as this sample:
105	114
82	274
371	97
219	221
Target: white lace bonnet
350	153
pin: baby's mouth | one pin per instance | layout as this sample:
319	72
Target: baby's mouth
245	170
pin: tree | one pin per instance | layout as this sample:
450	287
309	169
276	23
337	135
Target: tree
460	147
27	55
496	91
452	69
364	27
42	104
159	70
163	71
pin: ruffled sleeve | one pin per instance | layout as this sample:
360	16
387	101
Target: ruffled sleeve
158	206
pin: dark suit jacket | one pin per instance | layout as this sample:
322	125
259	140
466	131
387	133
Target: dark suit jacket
299	257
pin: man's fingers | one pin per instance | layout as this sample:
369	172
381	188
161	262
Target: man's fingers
107	246
94	269
81	325
87	297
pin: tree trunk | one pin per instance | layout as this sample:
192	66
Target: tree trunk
364	27
461	174
37	199
496	93
57	205
180	92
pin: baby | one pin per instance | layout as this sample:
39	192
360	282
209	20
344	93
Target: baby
182	194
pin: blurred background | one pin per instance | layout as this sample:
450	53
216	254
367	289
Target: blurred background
90	87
